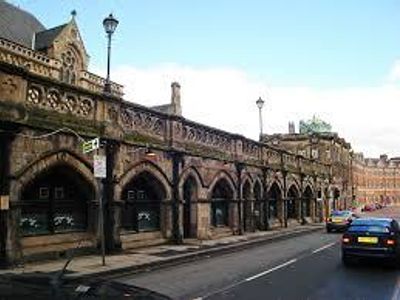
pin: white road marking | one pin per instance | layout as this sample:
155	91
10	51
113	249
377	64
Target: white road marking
271	270
246	280
396	291
323	247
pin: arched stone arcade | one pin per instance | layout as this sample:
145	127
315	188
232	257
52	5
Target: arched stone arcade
142	196
275	206
308	202
56	201
223	207
247	203
293	202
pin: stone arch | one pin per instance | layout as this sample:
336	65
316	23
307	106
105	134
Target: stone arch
190	172
275	199
308	202
258	182
293	201
222	196
279	185
142	198
49	160
228	178
246	187
144	166
190	186
292	180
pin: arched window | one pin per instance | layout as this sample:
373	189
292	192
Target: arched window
308	195
68	68
222	194
274	195
55	202
293	198
143	196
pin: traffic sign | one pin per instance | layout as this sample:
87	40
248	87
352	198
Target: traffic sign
99	166
91	145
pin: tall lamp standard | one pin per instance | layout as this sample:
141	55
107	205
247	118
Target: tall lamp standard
109	24
260	104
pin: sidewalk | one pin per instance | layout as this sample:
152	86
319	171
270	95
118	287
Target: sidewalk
137	260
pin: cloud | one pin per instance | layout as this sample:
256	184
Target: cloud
394	75
225	98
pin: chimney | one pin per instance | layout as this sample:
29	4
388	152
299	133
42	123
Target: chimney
292	129
176	98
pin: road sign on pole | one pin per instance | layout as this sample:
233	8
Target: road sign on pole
91	145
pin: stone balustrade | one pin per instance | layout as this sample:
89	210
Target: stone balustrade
40	64
132	123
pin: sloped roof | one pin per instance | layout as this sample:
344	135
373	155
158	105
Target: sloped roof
18	25
44	39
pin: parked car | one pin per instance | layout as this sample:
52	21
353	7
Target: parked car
340	220
371	238
368	207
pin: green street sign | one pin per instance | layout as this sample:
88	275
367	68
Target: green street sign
91	145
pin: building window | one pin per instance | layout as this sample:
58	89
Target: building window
219	212
68	68
143	197
59	207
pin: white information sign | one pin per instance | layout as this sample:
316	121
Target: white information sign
91	145
100	166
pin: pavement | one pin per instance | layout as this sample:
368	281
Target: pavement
144	259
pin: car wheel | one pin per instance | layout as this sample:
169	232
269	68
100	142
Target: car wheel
328	230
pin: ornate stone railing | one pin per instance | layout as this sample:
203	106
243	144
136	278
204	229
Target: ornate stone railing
40	64
27	59
96	83
188	133
251	149
143	121
131	123
57	99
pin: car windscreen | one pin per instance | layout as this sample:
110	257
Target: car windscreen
340	213
368	228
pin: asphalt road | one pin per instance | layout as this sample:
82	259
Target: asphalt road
304	267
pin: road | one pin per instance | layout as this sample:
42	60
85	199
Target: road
303	267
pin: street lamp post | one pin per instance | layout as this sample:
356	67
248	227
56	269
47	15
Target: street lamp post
260	103
110	24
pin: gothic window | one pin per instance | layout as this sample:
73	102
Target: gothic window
55	202
143	197
68	69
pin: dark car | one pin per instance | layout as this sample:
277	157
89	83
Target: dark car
376	238
340	220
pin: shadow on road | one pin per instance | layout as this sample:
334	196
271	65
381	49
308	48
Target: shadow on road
35	286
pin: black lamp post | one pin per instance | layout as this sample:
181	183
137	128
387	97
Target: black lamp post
110	24
260	103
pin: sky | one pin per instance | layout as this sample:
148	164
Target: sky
338	60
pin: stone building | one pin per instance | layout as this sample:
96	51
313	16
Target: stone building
327	148
354	180
199	182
